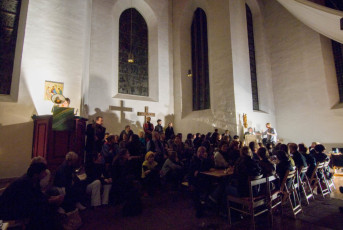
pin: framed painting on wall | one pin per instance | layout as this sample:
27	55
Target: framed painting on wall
51	88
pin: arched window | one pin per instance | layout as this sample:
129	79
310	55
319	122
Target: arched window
253	73
133	39
201	84
9	20
337	49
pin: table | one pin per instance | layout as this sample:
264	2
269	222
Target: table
218	173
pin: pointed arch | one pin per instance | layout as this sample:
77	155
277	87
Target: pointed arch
201	83
252	59
133	77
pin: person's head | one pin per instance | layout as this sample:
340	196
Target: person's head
303	148
125	137
282	155
263	153
38	159
180	136
223	147
268	126
170	124
127	128
150	156
141	134
319	148
110	139
162	136
314	144
284	148
177	140
216	130
227	132
219	137
148	119
159	121
250	130
173	156
246	152
292	147
202	153
124	154
155	135
72	159
106	135
135	138
197	135
99	120
189	136
253	146
236	137
116	138
234	145
66	103
37	171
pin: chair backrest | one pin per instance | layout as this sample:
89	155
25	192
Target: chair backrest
303	169
326	164
320	165
289	175
254	182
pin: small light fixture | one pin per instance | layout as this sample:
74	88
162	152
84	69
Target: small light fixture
130	58
189	73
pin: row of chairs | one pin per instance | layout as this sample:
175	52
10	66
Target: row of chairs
275	194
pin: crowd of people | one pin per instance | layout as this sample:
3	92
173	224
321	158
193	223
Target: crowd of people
121	168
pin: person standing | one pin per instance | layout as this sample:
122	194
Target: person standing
169	131
148	128
271	135
158	127
95	136
126	131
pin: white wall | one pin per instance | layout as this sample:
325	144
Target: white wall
103	73
222	111
53	49
304	81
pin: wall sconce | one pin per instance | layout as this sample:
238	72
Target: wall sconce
189	73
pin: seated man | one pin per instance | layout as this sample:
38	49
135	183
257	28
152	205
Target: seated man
69	184
24	199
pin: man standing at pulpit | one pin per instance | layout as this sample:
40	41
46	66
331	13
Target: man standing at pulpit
95	136
271	135
148	128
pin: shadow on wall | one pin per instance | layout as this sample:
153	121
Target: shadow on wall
15	149
113	123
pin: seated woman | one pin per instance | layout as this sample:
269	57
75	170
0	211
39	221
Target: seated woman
268	168
310	160
172	170
254	147
150	173
198	183
284	164
234	152
221	157
321	157
245	168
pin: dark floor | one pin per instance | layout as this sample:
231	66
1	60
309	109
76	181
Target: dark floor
174	210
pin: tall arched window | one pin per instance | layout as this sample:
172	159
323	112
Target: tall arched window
133	40
201	83
337	49
252	59
9	20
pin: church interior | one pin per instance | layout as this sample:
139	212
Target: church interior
200	64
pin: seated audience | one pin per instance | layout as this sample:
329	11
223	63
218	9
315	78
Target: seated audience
253	147
221	157
172	170
310	160
267	167
284	165
321	157
198	183
150	173
24	199
299	159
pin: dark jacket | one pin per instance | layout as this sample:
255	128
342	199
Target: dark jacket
299	160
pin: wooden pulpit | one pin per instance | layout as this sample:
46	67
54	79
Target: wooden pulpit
53	145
